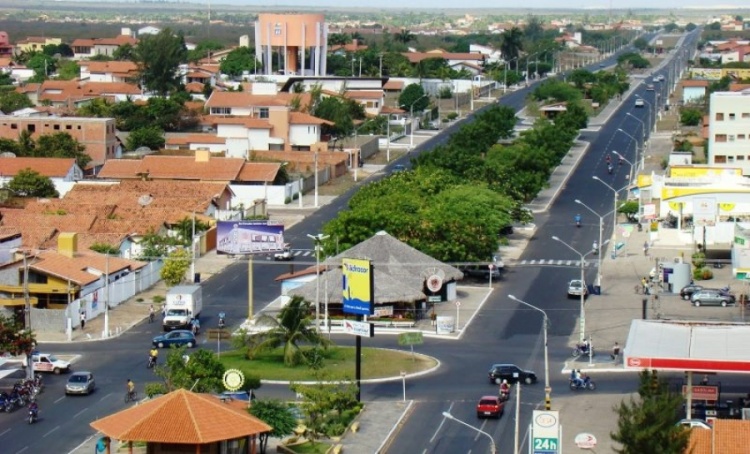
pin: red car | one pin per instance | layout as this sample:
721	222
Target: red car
490	407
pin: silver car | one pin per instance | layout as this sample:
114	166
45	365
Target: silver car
711	297
80	383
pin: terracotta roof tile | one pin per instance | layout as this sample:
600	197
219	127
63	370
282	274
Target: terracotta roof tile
82	42
109	66
416	57
48	167
194	87
181	417
695	83
364	94
300	118
394	85
195	138
248	122
259	172
188	168
120	168
730	436
83	268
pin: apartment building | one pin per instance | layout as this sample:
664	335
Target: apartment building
96	134
729	130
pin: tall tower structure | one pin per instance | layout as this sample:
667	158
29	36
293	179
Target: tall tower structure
300	42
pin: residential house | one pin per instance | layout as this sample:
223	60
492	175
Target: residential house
348	48
491	54
148	30
86	48
108	71
71	94
96	134
452	58
10	240
694	90
371	100
63	172
729	130
35	44
196	142
6	48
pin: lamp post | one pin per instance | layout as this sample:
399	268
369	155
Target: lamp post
582	317
650	112
614	215
601	234
643	139
637	148
505	74
411	119
547	388
388	141
630	179
493	449
317	240
527	66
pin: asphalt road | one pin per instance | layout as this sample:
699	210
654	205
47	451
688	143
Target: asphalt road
499	333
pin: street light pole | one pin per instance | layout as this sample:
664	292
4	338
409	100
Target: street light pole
317	240
493	449
582	317
630	180
547	388
601	234
650	112
643	140
614	215
641	147
411	120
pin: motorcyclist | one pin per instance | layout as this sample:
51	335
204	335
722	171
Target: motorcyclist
576	377
195	325
595	247
608	159
34	409
609	168
153	354
578	219
221	319
504	389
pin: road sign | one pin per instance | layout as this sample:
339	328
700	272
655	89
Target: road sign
545	445
412	338
585	441
359	328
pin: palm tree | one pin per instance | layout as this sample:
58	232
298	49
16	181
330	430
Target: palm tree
512	44
404	36
339	39
291	327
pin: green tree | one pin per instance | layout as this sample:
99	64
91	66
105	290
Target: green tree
6	81
14	337
404	36
580	77
97	107
175	266
328	407
184	228
336	110
276	414
104	248
239	60
202	371
61	145
690	116
159	57
413	98
640	44
165	113
151	137
291	328
29	183
9	146
204	49
339	39
124	52
690	27
648	424
511	44
68	70
10	101
574	117
42	64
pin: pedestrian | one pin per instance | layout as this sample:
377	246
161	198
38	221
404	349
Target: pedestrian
704	381
615	351
644	284
163	311
252	395
83	320
151	314
645	248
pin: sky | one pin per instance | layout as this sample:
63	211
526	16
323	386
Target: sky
536	4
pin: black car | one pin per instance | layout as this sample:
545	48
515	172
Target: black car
688	290
512	373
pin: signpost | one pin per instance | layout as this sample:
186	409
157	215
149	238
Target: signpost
458	306
358	292
411	339
545	432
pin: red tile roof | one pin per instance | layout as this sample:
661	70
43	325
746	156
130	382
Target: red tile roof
182	168
695	83
83	268
394	85
181	417
728	436
248	122
48	167
195	138
416	57
364	94
109	66
261	172
120	168
301	118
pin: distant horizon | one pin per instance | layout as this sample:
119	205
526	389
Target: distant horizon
602	5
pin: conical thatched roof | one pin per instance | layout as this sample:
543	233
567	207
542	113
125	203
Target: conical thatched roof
400	271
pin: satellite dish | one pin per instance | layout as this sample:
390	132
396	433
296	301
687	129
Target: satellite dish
145	200
7	154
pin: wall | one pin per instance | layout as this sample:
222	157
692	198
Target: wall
303	135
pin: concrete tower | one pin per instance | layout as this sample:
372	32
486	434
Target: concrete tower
301	41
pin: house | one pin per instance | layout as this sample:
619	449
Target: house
694	90
348	48
6	48
71	94
491	54
371	100
148	30
729	130
452	58
96	134
35	44
63	172
727	436
86	48
108	71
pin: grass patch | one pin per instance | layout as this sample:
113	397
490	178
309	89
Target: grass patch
310	448
338	362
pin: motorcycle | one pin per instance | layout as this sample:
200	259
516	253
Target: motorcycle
5	403
609	168
196	329
582	350
504	396
584	383
221	322
33	415
151	362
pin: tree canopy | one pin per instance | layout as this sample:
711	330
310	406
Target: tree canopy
276	414
159	57
413	98
239	60
30	183
202	372
14	338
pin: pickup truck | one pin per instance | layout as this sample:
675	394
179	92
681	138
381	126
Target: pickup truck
46	362
284	255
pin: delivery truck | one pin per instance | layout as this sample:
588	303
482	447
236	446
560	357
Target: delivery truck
183	303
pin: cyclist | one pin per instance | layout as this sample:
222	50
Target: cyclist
131	389
154	353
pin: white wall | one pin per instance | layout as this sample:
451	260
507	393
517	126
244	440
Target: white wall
258	138
233	131
303	135
737	103
237	148
212	147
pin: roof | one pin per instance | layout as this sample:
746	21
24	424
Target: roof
728	436
364	94
83	268
300	118
259	172
684	345
695	83
120	168
195	138
109	66
245	99
394	85
180	168
399	271
416	57
181	417
248	122
48	167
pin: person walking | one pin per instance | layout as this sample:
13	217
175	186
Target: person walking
615	352
151	314
83	320
645	248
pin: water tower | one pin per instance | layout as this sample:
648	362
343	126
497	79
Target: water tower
299	41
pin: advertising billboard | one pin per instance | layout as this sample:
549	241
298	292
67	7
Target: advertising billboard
249	237
358	287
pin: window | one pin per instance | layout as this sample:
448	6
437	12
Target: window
311	130
740	136
745	114
720	159
31	128
68	127
263	112
720	138
731	117
740	158
730	159
221	110
277	29
56	127
13	126
731	137
719	117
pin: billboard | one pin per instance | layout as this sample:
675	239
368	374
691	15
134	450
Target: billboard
358	287
249	237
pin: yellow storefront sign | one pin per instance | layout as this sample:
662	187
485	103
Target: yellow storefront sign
701	171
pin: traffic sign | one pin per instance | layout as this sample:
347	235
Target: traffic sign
458	303
585	441
545	445
546	432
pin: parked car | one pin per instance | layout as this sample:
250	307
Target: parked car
81	382
490	407
711	297
576	287
660	77
639	102
512	373
688	290
177	338
650	87
694	423
46	362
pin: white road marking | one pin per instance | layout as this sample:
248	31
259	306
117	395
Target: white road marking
45	435
22	450
58	400
4	432
79	413
105	397
441	425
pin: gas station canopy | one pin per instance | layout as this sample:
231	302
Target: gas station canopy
669	345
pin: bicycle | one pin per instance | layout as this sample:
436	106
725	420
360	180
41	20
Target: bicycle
131	396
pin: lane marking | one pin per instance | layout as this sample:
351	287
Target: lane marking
58	400
45	435
22	450
79	413
437	430
105	397
4	432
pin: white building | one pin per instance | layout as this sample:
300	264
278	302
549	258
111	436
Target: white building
729	130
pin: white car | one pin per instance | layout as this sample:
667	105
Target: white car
46	362
639	102
690	423
284	255
576	287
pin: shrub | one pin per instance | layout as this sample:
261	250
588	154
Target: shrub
452	116
155	388
699	260
158	299
445	93
707	274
